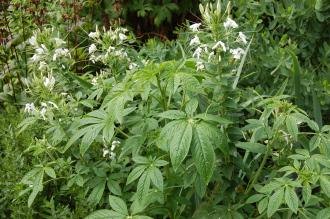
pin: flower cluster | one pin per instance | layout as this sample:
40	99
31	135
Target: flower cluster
32	110
205	50
111	153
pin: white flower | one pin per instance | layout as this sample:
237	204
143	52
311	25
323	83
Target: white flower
198	52
33	41
94	35
237	53
132	66
194	27
194	41
41	50
42	65
114	144
43	112
58	42
105	152
49	82
110	49
211	55
30	108
220	43
112	155
200	66
61	52
92	48
43	104
35	58
94	81
122	36
229	23
242	37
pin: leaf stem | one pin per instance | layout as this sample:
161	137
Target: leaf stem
256	176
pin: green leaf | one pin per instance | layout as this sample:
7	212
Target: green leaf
254	198
89	137
291	125
97	193
32	196
240	67
253	147
203	151
136	173
306	192
325	184
143	186
180	143
296	78
291	199
172	114
213	118
262	205
323	214
118	205
50	172
37	186
275	202
191	106
105	214
114	186
156	177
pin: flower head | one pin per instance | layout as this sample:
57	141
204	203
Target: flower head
200	66
92	48
237	53
58	41
194	27
220	43
198	52
30	108
49	82
33	41
242	37
230	23
43	112
122	36
195	41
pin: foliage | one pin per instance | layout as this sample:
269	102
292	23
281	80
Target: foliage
190	128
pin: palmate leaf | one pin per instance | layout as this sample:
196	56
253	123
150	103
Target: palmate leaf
203	151
90	127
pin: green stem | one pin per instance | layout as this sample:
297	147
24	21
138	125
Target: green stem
162	92
256	176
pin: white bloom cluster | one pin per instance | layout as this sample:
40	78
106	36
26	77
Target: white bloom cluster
132	66
31	109
195	41
237	53
96	34
230	23
220	43
194	27
58	42
61	52
92	48
242	37
111	153
49	82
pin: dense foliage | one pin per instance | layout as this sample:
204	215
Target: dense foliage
229	120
